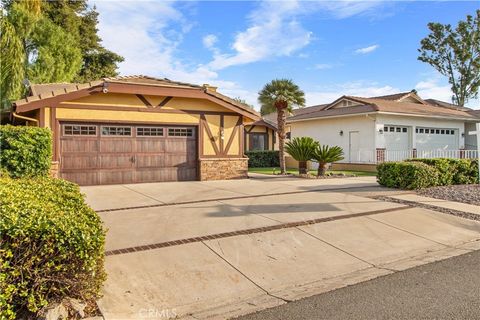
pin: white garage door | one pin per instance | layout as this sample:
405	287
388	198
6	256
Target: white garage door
396	138
436	139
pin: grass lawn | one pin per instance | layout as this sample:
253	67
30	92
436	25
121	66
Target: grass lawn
270	170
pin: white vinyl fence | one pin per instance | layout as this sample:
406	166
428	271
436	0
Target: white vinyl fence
374	156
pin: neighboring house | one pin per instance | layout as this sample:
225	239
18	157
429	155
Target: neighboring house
389	128
140	129
261	135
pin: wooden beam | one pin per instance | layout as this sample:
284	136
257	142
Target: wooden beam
234	132
51	101
165	101
209	134
144	100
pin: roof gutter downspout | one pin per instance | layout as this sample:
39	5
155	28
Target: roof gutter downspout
15	115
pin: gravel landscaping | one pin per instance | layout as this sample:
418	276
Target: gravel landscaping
461	214
469	193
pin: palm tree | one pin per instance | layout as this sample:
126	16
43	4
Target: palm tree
281	95
301	149
325	155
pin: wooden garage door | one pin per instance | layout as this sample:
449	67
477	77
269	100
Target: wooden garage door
93	154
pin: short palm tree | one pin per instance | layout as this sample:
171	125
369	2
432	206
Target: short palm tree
301	149
325	155
281	95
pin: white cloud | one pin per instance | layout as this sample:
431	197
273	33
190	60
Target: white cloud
367	49
354	88
273	31
323	66
147	35
209	41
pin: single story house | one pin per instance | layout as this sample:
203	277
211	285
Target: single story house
389	128
140	129
261	135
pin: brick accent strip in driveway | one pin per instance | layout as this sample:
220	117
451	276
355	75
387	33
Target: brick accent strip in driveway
248	231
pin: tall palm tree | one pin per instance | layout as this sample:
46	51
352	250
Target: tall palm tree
281	95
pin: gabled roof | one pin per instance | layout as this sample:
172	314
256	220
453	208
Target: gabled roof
266	123
443	104
389	105
43	94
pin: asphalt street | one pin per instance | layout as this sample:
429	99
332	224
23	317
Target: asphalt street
448	289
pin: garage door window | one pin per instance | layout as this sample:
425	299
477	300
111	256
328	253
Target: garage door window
116	131
78	130
150	132
180	132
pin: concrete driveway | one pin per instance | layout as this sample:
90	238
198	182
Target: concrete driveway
220	249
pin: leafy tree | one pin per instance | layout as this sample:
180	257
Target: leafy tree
325	155
33	48
80	21
455	53
302	150
280	95
243	101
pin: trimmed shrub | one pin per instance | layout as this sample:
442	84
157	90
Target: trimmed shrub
453	171
407	175
25	151
262	158
52	245
445	170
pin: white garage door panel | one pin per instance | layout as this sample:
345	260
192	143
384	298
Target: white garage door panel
437	139
396	138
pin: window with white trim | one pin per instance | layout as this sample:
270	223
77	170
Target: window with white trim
79	130
116	131
180	132
149	132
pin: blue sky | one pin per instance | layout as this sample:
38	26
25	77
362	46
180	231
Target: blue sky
359	48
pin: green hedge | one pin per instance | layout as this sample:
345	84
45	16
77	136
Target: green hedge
453	171
407	175
424	173
25	151
52	245
262	159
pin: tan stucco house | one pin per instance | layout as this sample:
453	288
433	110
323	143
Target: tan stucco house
140	129
261	136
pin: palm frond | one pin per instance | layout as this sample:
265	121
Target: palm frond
301	148
327	154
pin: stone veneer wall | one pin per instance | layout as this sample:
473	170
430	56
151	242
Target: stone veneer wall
223	168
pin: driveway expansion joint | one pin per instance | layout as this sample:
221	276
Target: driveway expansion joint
164	204
248	231
245	276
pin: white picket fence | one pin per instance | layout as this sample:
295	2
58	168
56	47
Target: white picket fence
371	156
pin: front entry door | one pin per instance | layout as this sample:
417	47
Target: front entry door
353	147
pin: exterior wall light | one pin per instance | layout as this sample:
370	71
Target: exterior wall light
463	134
341	132
380	131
